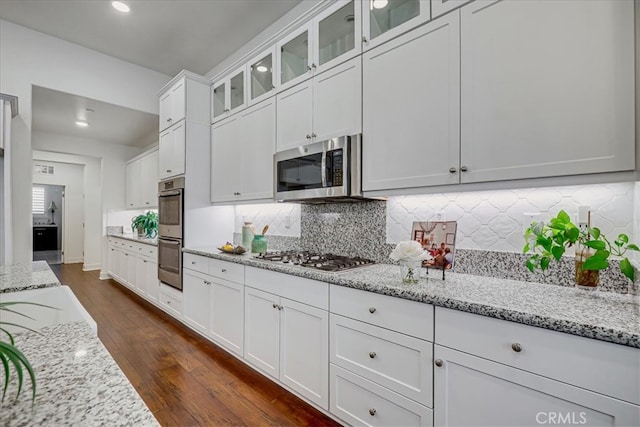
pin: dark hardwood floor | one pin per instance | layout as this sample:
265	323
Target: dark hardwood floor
184	379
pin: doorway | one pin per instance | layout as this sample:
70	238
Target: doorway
48	203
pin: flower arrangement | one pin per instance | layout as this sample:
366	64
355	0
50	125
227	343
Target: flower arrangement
410	255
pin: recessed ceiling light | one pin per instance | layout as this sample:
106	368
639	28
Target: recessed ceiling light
82	124
379	4
120	6
261	68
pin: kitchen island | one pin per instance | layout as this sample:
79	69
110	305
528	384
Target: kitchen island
22	277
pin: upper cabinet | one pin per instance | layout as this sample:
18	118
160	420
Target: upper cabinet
546	91
172	146
142	181
440	7
185	97
228	95
262	75
383	20
332	37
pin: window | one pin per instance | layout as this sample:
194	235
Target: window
37	202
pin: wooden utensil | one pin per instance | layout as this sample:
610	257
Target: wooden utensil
264	230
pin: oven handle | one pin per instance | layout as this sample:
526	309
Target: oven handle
169	193
323	166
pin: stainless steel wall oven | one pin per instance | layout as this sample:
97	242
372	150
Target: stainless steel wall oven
170	229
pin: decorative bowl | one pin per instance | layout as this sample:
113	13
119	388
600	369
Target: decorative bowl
238	250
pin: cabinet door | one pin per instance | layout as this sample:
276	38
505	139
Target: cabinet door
337	32
129	274
151	280
178	101
304	350
262	76
165	151
112	256
140	276
132	192
469	390
236	90
149	181
545	94
227	316
178	141
384	20
165	110
411	112
258	130
294	117
440	7
294	55
196	290
117	264
262	331
337	101
226	160
218	99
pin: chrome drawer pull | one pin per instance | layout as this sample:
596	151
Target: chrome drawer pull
224	270
372	411
516	347
275	305
438	362
372	354
372	310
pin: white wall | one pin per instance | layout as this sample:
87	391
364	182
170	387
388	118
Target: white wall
30	58
71	176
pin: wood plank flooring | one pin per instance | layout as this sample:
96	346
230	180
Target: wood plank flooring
183	378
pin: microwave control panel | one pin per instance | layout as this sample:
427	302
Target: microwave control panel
335	168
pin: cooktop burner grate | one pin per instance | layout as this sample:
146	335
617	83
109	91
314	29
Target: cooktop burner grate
325	262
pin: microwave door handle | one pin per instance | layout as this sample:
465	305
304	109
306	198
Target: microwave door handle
323	166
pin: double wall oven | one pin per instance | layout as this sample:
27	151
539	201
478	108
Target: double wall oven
170	230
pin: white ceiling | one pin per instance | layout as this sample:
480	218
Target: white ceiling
57	112
163	35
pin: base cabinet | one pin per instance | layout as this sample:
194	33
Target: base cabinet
470	390
135	266
227	316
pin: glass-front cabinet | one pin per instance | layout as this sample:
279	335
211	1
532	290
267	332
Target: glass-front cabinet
328	40
228	95
262	75
386	19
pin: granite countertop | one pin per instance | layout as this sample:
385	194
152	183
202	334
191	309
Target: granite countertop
22	277
78	383
135	238
604	316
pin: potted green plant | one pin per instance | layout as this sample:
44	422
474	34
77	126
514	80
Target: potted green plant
549	241
146	224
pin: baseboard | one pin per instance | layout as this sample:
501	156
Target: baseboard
91	267
73	260
104	275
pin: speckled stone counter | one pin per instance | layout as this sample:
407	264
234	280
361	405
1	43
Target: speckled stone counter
78	383
22	277
135	238
600	315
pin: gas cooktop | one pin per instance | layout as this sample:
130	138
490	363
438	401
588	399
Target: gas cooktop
325	262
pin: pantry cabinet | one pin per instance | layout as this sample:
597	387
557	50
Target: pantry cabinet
228	95
242	149
327	106
383	21
142	181
543	90
411	102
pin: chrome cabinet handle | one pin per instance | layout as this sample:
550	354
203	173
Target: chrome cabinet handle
275	305
168	170
308	68
364	39
516	347
452	170
193	263
372	310
372	411
308	136
169	120
144	260
463	169
313	135
372	354
224	270
438	362
226	110
313	66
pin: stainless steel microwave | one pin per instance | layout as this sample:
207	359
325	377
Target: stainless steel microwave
317	172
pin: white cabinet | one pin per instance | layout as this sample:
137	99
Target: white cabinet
171	151
197	297
543	91
228	95
186	96
382	20
411	108
171	301
242	151
470	390
327	106
227	316
135	266
142	181
262	331
440	7
331	37
147	278
261	74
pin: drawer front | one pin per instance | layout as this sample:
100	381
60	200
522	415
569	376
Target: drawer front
196	263
148	251
226	270
400	315
171	304
603	367
306	291
395	361
361	402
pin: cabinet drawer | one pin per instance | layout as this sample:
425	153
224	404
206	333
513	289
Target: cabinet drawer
226	270
196	263
307	291
171	300
396	361
405	316
148	251
603	367
361	402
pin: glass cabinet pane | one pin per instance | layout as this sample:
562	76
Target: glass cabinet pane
336	34
294	57
261	76
387	14
218	100
237	90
